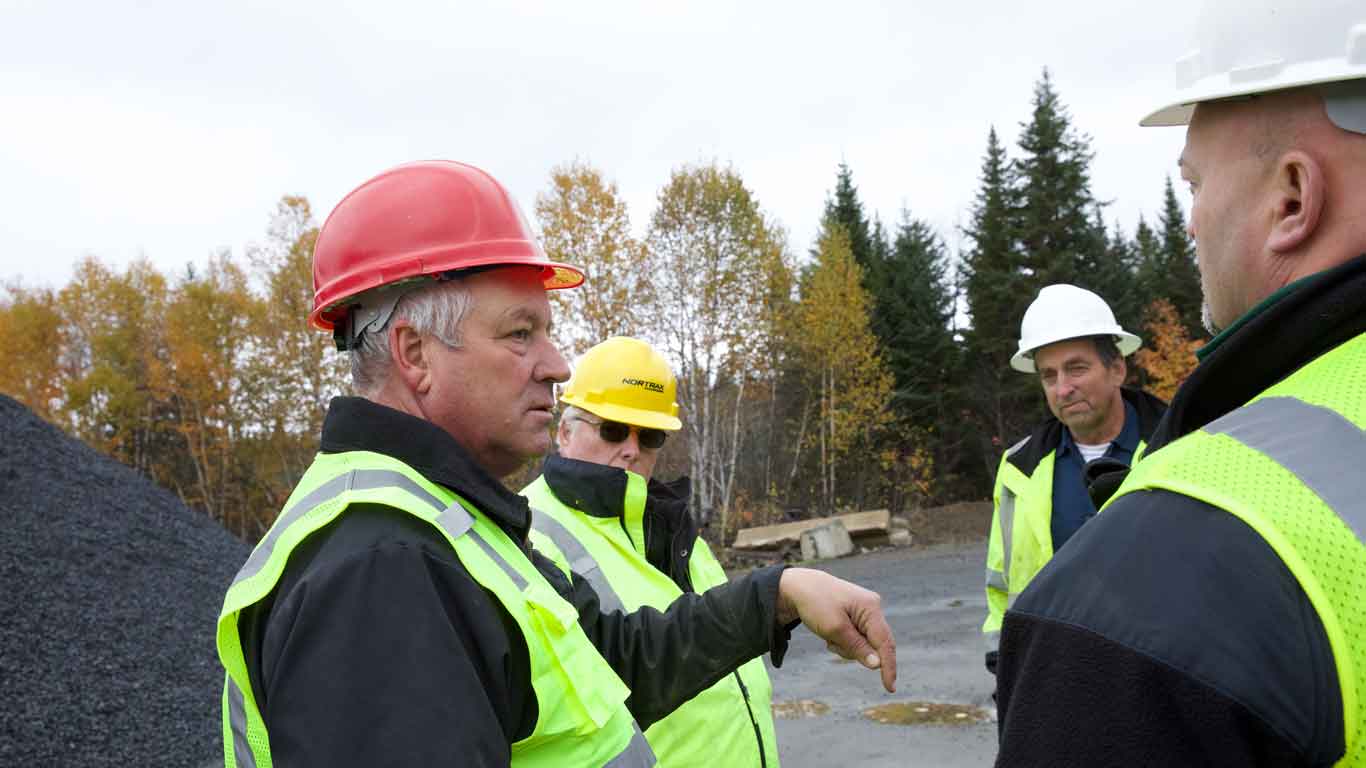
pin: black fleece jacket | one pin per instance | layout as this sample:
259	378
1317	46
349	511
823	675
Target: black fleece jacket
377	647
1168	632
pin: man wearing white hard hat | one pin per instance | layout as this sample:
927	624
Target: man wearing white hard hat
1070	340
1214	612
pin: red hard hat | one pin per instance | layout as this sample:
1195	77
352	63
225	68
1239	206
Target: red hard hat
419	219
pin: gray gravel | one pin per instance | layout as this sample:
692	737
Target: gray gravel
935	602
109	593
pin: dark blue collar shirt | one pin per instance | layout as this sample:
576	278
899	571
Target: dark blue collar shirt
1072	505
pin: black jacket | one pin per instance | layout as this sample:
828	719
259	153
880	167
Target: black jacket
600	491
378	648
1168	632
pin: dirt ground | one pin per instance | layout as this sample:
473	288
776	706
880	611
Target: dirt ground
960	523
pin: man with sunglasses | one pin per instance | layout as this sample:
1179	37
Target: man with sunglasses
597	512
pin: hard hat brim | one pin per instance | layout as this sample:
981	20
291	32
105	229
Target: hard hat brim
1221	87
554	276
636	417
1023	360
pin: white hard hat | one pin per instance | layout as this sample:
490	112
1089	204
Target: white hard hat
1063	312
1255	46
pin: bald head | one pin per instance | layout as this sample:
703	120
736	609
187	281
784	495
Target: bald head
1278	194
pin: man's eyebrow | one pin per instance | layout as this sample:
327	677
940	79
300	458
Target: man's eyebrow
524	313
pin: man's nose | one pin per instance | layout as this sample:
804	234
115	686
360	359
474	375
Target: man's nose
630	447
552	366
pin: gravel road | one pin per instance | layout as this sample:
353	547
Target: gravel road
934	599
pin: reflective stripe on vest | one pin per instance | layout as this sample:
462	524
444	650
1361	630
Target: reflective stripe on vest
637	753
582	686
1288	464
731	721
1315	444
580	561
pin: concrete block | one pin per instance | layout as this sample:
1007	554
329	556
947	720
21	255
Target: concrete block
826	541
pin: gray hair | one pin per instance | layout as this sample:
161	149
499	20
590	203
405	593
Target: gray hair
575	413
438	307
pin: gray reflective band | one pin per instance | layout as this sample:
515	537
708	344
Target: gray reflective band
237	718
1318	445
993	639
580	561
636	755
996	580
356	479
1007	515
497	558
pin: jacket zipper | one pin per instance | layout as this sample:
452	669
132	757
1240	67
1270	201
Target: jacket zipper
749	707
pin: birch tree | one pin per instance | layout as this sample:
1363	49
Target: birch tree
713	261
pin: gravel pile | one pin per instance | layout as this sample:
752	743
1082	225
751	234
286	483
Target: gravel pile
109	592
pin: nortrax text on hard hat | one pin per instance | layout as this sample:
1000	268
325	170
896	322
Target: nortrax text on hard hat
1214	612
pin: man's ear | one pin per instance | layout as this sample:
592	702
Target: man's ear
1297	201
1120	369
409	356
562	432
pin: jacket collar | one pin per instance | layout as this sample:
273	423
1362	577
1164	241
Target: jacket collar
594	489
1312	317
600	491
357	424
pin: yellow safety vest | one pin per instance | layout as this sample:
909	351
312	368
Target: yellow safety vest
724	724
1290	464
1021	540
581	713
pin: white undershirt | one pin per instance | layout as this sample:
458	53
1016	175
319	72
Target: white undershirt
1092	452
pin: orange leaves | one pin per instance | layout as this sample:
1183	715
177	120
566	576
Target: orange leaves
1168	356
585	223
31	325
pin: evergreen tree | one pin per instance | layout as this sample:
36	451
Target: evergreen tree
847	210
994	281
1148	258
998	287
912	323
1178	277
1111	275
1054	220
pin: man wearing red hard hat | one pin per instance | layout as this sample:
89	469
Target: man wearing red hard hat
395	614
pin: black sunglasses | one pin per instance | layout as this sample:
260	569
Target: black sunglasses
616	432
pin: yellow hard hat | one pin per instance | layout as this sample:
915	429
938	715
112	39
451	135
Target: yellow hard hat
625	379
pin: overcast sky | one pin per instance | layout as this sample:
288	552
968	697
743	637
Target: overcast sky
171	129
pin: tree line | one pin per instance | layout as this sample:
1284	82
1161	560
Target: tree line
870	371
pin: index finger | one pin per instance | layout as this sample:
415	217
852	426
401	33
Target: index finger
879	634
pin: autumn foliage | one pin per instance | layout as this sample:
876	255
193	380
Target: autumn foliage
1168	354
